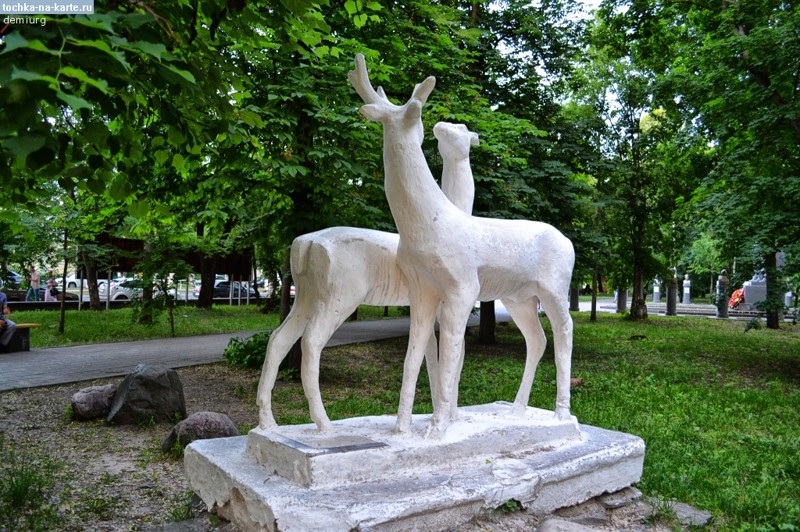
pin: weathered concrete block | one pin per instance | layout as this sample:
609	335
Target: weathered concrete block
418	485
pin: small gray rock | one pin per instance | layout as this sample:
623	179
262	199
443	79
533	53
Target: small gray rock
200	426
620	498
149	392
92	402
689	515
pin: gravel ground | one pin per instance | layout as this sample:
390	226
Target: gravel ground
116	478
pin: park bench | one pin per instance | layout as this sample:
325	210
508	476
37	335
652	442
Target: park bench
21	341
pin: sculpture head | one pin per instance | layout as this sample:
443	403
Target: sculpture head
454	140
399	120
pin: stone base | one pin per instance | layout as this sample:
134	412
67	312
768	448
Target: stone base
365	477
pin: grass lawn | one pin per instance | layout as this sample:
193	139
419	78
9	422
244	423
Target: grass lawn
718	407
87	327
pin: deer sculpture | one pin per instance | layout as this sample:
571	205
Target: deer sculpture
452	259
337	269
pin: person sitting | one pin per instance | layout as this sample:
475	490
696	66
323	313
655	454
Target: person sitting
7	327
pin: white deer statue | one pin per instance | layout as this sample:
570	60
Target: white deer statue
337	269
452	259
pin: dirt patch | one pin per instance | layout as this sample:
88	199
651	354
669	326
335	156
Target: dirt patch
116	477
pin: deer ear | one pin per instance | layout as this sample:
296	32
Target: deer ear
473	139
371	111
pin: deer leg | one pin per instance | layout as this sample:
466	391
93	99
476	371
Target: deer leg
557	309
526	317
454	314
423	313
432	363
321	326
280	342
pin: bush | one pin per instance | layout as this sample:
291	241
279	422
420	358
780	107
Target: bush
247	352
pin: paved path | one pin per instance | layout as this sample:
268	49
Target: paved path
60	365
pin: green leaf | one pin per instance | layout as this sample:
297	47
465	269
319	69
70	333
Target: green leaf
103	47
14	41
120	188
251	119
99	21
185	74
74	102
139	209
351	8
178	162
80	75
161	156
21	147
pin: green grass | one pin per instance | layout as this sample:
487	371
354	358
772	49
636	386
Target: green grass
86	326
718	408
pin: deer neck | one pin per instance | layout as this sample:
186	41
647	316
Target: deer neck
413	195
457	183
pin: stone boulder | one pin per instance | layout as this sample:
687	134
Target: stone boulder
200	426
148	393
92	402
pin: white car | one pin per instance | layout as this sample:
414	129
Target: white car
121	289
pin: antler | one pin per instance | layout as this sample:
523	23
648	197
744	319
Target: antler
359	78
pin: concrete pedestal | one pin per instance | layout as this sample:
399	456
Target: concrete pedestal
363	476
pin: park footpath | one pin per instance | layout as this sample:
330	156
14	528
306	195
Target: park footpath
63	365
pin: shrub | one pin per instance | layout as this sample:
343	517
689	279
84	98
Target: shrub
247	352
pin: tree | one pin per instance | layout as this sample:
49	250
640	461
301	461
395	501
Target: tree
731	67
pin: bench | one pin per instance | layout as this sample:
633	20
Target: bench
21	341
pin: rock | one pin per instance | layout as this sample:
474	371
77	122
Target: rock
148	393
92	402
589	513
200	426
620	498
689	515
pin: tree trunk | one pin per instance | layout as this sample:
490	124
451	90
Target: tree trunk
488	324
774	296
90	267
146	314
63	309
638	302
593	314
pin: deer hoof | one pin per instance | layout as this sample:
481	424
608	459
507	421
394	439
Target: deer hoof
562	414
518	410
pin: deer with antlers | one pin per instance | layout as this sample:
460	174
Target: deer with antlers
452	259
337	269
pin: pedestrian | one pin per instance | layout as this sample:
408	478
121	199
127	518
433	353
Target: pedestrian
7	327
33	287
50	290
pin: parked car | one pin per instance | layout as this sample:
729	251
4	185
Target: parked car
11	280
222	290
75	282
121	289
